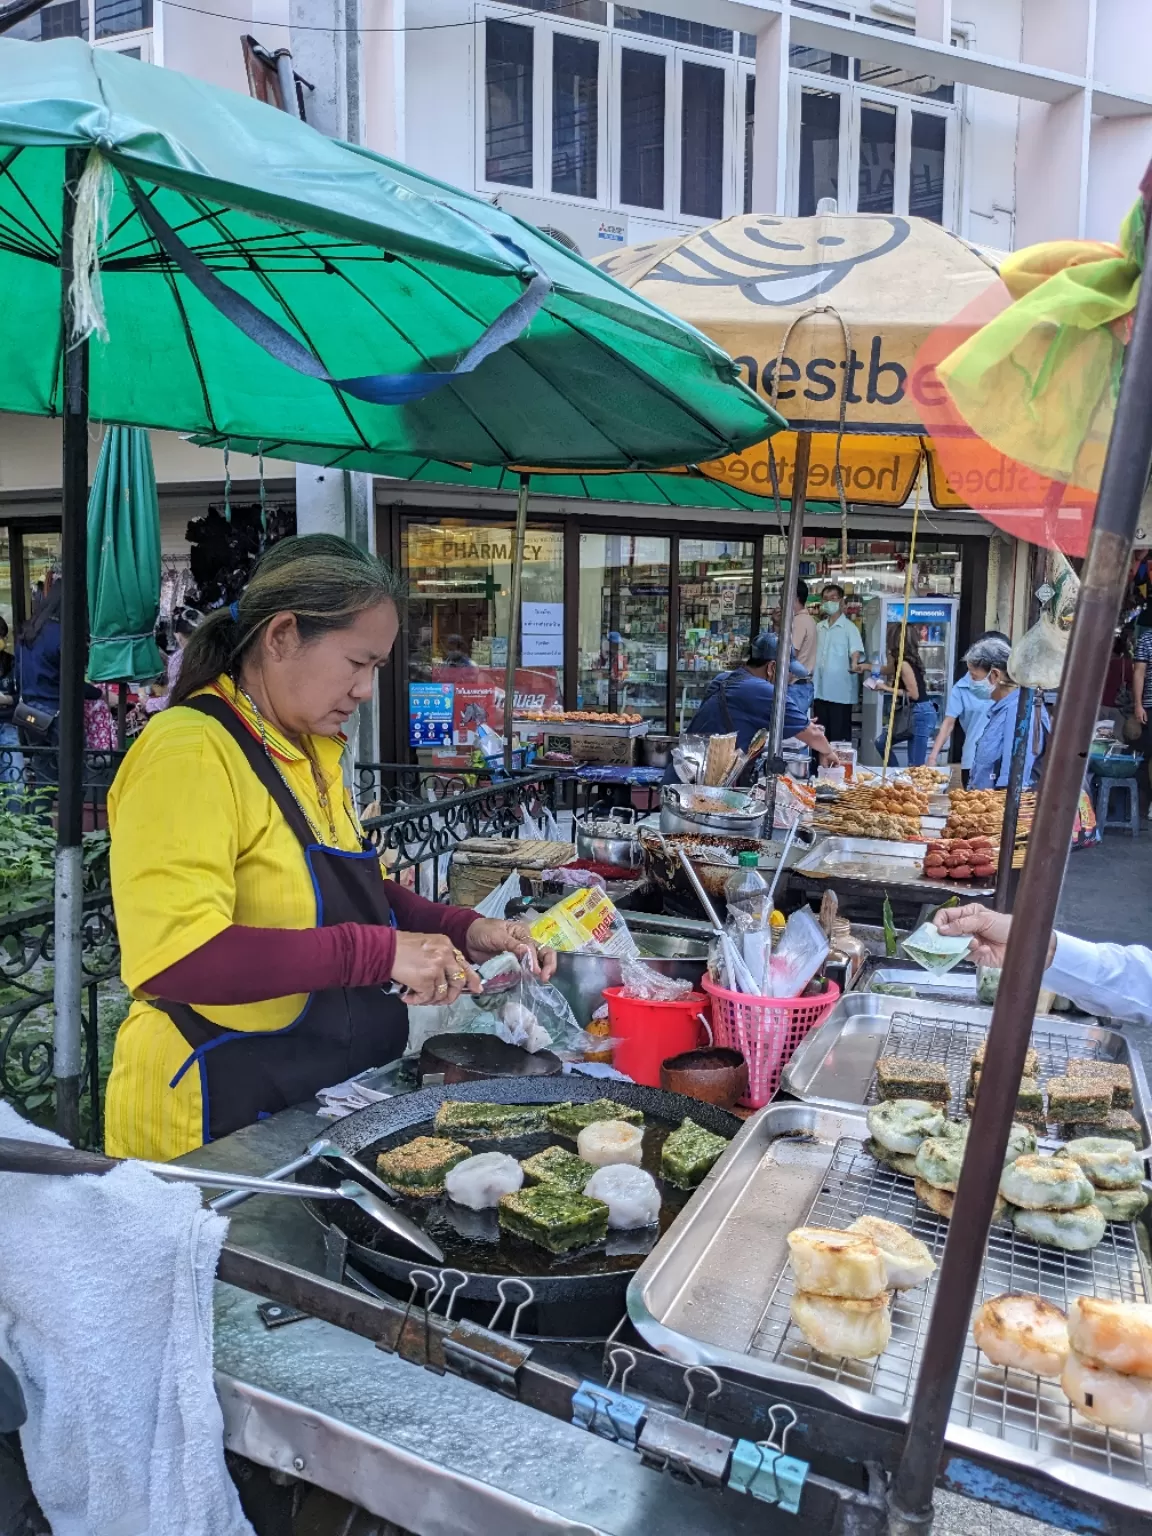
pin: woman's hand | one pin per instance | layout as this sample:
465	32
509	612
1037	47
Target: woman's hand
930	760
989	932
490	936
431	969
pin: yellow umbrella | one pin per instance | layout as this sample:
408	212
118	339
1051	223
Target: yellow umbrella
829	317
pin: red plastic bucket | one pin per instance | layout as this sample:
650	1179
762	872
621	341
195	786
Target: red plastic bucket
648	1032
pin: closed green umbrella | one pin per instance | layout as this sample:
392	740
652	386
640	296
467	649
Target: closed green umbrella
124	561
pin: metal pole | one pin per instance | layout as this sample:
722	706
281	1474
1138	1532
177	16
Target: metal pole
1102	588
788	597
68	1030
1024	708
514	618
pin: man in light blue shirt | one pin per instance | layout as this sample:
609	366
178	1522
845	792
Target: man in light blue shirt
839	655
970	699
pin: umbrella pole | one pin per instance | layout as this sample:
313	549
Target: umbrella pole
784	637
514	618
67	991
1025	705
1103	582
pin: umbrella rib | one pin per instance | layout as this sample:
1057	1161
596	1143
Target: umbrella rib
170	279
278	298
50	247
453	387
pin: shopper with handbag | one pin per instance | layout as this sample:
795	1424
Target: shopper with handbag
37	712
915	712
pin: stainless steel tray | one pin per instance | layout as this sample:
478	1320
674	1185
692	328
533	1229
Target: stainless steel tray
956	986
716	1291
876	860
836	1064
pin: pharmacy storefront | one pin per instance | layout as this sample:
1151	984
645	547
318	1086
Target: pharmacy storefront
619	615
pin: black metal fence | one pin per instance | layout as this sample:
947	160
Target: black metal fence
424	815
28	778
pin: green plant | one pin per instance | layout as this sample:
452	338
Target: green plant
27	857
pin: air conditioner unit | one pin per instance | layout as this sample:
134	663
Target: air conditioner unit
591	231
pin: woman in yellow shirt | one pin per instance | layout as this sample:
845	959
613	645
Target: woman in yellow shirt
262	946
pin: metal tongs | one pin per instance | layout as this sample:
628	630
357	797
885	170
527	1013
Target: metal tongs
37	1157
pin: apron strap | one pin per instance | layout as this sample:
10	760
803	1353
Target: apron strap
728	726
221	711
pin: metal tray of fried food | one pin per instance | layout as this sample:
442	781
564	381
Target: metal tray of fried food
835	1065
876	859
881	974
716	1291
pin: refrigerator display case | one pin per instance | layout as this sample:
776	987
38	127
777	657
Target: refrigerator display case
716	585
934	621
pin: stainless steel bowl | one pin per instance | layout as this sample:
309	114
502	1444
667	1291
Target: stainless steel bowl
582	978
608	840
656	751
700	808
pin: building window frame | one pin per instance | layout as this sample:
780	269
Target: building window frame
854	96
545	28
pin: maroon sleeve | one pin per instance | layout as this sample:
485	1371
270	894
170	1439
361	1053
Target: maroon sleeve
251	965
416	914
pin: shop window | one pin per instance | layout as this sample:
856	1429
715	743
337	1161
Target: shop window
67	19
623	625
508	95
702	141
818	62
456	620
575	114
572	10
715	617
642	127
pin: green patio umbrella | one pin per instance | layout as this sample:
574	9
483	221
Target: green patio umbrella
244	275
182	257
124	561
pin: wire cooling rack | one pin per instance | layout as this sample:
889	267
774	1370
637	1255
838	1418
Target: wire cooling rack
950	1043
1026	1411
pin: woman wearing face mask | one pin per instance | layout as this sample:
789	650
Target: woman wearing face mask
912	683
258	935
992	759
968	702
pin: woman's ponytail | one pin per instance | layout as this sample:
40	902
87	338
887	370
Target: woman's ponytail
325	582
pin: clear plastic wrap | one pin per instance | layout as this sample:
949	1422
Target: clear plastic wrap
799	954
522	1010
935	951
688	759
642	980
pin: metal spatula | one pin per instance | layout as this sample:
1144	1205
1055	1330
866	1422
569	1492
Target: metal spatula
36	1157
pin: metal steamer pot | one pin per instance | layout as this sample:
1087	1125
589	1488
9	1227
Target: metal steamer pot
609	837
582	978
588	1304
662	860
702	808
656	751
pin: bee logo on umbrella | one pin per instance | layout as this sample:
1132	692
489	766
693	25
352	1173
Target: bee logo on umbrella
762	258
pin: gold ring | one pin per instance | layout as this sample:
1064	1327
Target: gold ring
441	987
458	975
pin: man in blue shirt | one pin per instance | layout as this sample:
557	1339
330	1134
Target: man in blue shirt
741	701
992	761
969	700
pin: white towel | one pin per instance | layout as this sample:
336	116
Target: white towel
106	1317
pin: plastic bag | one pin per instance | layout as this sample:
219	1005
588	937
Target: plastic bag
494	903
688	759
642	980
802	950
586	921
750	929
524	1011
936	951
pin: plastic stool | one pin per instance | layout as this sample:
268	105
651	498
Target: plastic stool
1105	789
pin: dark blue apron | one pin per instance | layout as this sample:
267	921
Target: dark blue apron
246	1075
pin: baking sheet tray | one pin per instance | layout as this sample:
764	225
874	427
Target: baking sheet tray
716	1291
878	861
836	1063
955	986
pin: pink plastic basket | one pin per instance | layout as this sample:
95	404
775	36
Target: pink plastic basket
766	1031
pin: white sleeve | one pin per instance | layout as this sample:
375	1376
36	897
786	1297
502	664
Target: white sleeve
1112	979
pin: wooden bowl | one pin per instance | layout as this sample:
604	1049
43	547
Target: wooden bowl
714	1074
